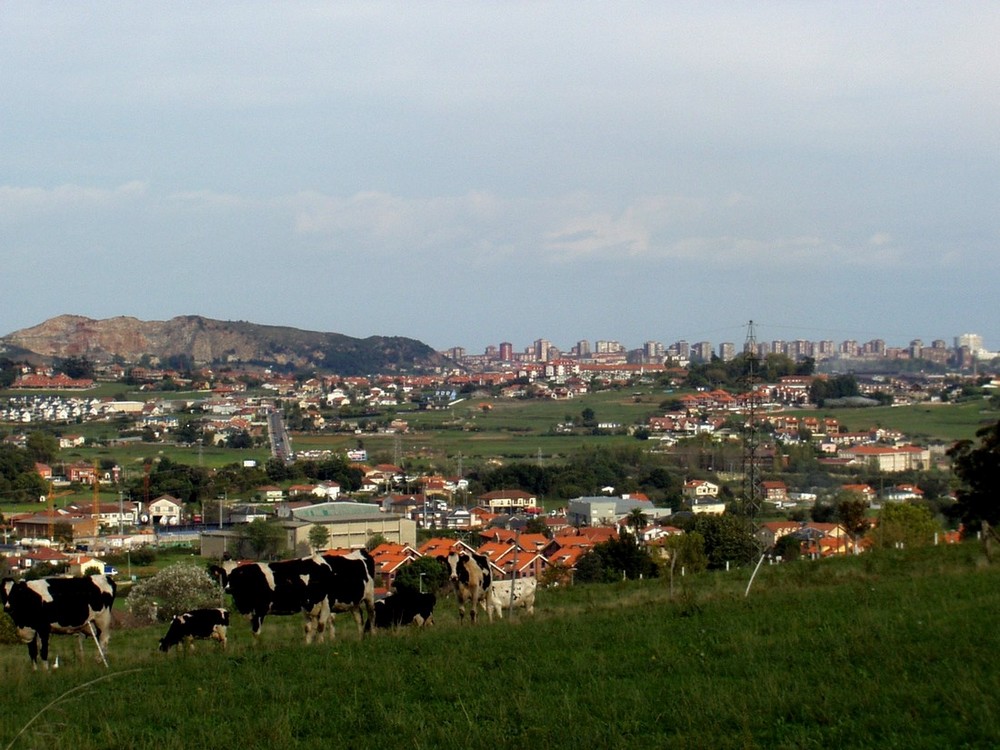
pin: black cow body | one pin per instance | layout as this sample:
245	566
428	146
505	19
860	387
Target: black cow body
59	605
405	607
280	588
352	588
471	576
196	624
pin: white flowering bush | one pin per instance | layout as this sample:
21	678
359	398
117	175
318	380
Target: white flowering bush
175	589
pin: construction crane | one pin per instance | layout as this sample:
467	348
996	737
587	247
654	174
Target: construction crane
97	504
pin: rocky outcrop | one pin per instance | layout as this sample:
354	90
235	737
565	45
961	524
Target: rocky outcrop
203	341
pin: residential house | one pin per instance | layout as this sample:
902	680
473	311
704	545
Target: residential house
699	489
507	501
166	510
708	506
271	493
775	492
902	493
770	532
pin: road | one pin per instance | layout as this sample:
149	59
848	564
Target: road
281	444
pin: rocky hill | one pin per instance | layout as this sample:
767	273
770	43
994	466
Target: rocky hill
199	341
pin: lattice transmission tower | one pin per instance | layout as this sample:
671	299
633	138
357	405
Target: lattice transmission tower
752	488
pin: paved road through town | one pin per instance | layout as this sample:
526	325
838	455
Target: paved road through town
281	444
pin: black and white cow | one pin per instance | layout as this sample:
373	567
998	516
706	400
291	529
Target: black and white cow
279	588
211	623
471	576
519	594
59	605
352	588
405	607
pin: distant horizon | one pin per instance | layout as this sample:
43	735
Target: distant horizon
793	334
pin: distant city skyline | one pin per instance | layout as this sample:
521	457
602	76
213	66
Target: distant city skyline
477	172
538	348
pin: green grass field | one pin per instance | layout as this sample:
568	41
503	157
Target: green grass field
891	650
923	422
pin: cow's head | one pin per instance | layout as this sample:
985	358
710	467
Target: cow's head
220	573
452	562
5	588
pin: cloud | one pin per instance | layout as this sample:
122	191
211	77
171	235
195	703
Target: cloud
391	222
19	204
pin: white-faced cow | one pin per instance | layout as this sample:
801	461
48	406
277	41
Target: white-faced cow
59	605
499	597
471	576
201	624
405	607
279	588
352	588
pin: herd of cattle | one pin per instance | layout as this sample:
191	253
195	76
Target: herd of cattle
318	587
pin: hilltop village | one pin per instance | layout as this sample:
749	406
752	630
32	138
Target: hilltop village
400	509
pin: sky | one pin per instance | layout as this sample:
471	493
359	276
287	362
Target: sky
477	172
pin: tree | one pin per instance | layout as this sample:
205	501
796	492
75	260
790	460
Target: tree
265	538
728	539
979	469
590	569
42	446
686	551
76	367
319	535
176	589
375	540
423	574
637	520
537	525
906	524
615	559
852	512
788	547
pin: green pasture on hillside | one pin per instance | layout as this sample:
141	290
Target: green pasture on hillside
887	650
514	429
922	422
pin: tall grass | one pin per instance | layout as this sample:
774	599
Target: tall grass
886	650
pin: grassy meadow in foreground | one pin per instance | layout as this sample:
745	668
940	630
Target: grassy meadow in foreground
884	650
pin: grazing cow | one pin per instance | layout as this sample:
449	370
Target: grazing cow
210	623
279	588
352	588
471	577
499	596
405	607
59	605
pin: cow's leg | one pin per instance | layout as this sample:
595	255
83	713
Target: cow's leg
33	652
310	627
43	642
473	603
256	622
369	604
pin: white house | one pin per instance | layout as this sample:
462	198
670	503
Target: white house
700	489
327	490
165	510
